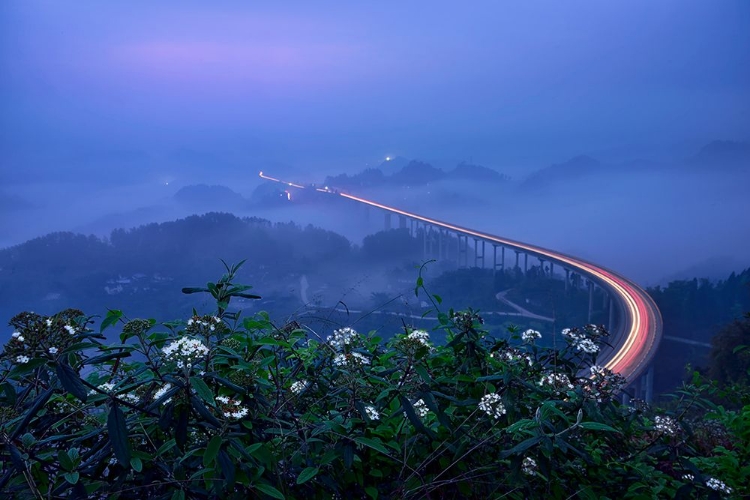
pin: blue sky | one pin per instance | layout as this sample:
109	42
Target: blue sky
89	87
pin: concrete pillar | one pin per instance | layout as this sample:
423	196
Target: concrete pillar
502	258
567	279
591	300
649	392
525	263
517	252
494	258
401	222
424	242
551	269
387	221
541	266
605	298
411	228
611	325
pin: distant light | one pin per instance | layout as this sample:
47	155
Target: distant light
387	158
166	184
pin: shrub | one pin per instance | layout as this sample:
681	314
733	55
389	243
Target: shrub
223	407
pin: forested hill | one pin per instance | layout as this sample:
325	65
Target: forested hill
152	262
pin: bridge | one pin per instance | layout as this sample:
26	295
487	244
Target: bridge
634	338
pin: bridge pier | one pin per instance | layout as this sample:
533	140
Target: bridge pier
387	221
478	257
502	258
517	254
567	279
525	264
611	324
591	300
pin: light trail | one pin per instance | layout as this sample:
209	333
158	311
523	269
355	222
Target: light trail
642	324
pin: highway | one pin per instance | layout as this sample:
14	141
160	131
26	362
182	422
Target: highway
637	338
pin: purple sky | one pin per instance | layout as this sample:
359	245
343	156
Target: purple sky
87	87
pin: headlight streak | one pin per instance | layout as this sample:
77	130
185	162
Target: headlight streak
642	321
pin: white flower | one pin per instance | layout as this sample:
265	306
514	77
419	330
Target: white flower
70	329
17	336
217	320
557	380
185	351
342	338
420	336
530	335
53	350
492	405
528	466
190	322
688	477
420	407
666	425
222	399
22	360
372	413
161	392
340	360
719	486
48	322
360	358
299	386
587	346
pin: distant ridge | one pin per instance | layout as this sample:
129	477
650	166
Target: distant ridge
722	154
575	168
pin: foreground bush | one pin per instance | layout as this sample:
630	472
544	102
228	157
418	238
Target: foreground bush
221	407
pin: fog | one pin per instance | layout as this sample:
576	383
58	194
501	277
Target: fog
108	111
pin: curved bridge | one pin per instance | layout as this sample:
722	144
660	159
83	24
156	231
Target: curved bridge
639	331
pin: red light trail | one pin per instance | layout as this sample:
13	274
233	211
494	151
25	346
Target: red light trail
642	324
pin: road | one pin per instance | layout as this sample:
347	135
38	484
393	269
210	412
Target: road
636	340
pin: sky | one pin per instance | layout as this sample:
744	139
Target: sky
103	91
108	108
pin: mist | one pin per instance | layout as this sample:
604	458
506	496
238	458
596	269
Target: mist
109	111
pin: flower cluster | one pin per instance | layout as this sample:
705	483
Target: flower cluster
343	338
559	382
420	408
528	466
465	320
513	356
492	405
666	425
351	359
299	386
420	336
185	352
109	388
372	412
231	408
161	392
39	336
204	325
582	339
719	486
529	336
603	384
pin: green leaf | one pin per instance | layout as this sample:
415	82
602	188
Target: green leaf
438	298
136	464
113	316
70	380
214	445
25	368
270	491
203	390
28	440
372	492
71	477
65	461
190	290
596	426
118	435
166	447
307	474
372	443
31	412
